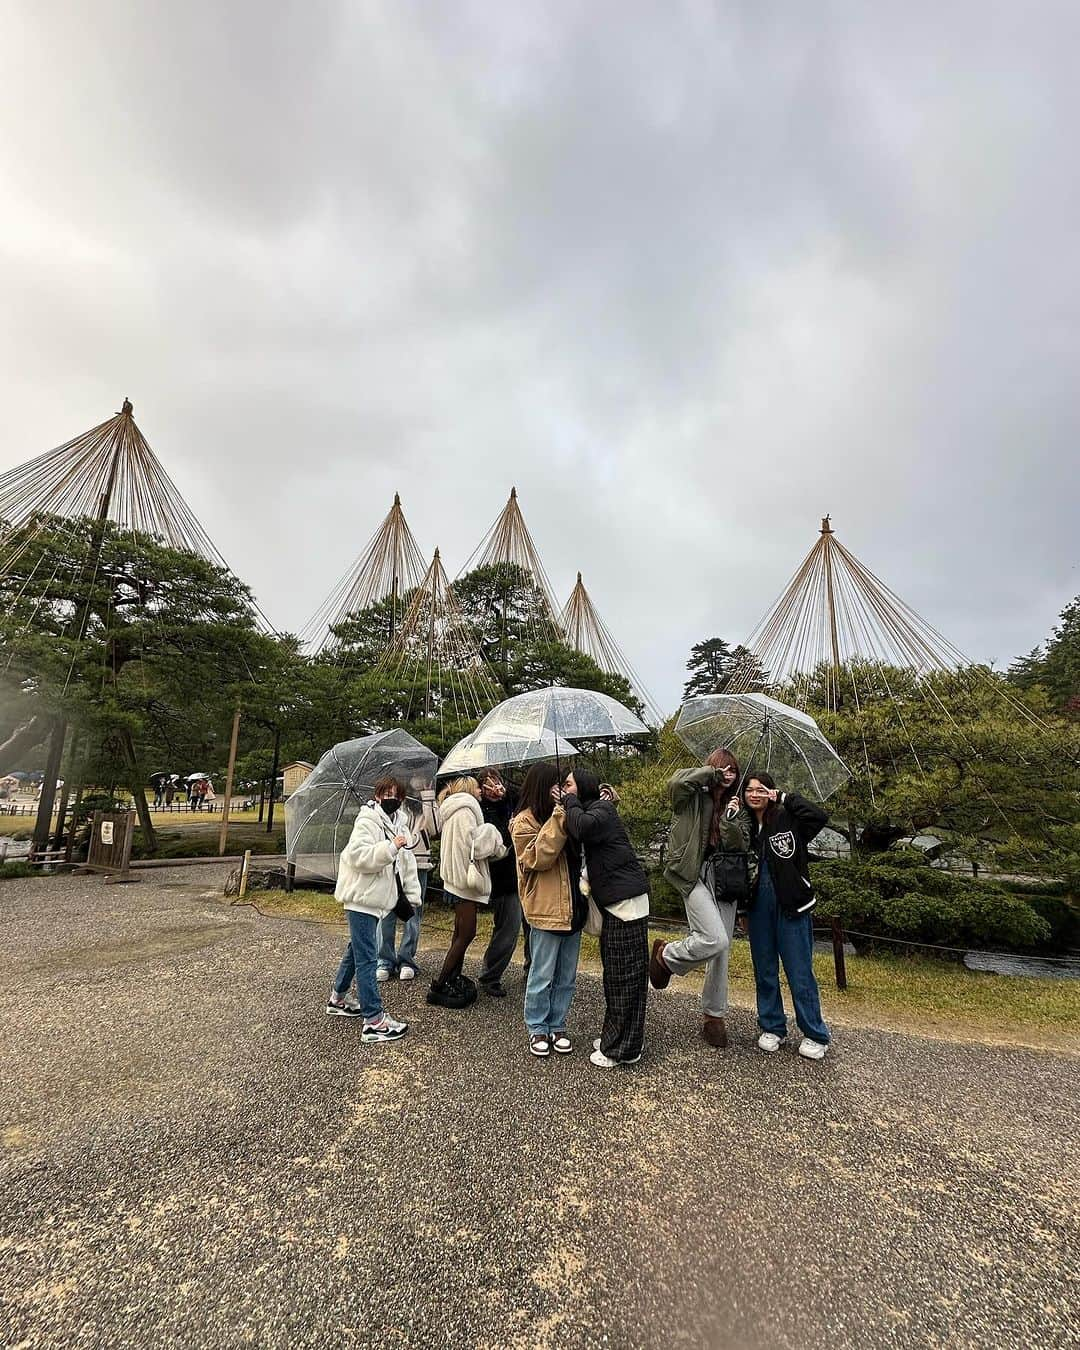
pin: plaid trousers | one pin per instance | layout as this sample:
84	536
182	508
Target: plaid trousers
624	950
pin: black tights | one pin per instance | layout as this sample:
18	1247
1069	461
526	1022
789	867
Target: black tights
464	932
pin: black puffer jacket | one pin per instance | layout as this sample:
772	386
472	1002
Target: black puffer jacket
503	870
782	843
614	871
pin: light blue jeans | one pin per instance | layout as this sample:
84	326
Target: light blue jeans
406	953
359	961
552	981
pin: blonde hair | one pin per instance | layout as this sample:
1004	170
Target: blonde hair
463	784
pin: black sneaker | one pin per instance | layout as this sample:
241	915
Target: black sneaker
496	989
450	995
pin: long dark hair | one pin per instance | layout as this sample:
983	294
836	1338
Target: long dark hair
588	786
536	791
771	811
721	759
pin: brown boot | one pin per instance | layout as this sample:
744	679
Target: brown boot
659	975
714	1032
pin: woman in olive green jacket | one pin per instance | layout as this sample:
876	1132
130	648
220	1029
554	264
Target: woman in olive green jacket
707	816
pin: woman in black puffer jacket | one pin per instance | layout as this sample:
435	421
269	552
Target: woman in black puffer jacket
620	888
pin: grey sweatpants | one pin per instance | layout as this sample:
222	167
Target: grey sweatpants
506	913
707	944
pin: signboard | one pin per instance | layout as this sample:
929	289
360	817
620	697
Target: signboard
111	837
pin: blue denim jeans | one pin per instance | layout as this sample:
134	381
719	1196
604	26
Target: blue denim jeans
776	937
552	980
406	953
359	962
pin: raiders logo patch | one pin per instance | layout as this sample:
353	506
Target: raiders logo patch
783	844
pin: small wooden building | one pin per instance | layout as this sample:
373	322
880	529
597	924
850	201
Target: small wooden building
293	775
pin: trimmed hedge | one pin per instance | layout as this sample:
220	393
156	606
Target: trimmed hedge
901	897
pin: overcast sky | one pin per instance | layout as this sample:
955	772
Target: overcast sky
690	275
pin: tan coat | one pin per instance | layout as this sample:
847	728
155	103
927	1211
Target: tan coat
543	873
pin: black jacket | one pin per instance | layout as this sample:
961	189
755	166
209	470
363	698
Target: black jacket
614	871
504	871
782	842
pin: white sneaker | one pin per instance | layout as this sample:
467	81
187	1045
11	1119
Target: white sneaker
382	975
769	1042
383	1029
406	973
601	1060
596	1043
812	1049
343	1006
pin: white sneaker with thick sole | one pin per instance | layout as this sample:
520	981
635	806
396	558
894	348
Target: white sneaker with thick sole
601	1060
406	973
345	1006
812	1049
383	1029
770	1042
596	1043
382	975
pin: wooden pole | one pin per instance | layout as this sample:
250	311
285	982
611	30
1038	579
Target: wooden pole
826	539
244	869
223	836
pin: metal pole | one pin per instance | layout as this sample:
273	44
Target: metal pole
228	783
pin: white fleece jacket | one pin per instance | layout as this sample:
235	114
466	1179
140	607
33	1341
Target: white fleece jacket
365	880
464	831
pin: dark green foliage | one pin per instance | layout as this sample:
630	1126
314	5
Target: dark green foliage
899	896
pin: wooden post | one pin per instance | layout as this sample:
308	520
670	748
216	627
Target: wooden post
223	836
838	954
290	877
245	867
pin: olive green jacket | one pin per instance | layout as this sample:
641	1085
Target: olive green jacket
688	839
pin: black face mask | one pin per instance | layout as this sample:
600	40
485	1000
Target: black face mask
390	804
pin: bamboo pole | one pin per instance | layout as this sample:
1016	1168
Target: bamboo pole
223	836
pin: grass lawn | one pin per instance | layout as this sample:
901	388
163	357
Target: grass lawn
919	994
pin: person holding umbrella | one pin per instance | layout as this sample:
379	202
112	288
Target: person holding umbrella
707	819
780	926
468	846
549	883
618	884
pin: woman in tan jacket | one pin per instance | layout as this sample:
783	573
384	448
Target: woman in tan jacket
549	868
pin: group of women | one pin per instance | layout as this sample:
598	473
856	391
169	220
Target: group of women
736	846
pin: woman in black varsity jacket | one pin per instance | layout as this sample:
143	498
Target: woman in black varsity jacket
779	921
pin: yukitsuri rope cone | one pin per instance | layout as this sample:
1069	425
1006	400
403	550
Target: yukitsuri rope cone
586	631
390	565
435	650
109	473
508	543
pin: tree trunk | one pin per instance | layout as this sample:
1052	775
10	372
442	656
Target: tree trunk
23	738
138	791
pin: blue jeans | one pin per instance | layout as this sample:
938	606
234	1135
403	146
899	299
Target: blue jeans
552	980
776	937
359	961
406	954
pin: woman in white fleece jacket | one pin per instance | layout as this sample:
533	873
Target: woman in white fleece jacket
467	845
376	855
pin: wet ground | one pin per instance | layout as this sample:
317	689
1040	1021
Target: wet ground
192	1154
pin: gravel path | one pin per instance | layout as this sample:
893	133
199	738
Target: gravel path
193	1155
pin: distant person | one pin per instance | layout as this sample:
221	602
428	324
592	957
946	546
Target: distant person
375	858
620	888
549	869
780	924
707	818
170	793
159	794
498	803
401	961
467	848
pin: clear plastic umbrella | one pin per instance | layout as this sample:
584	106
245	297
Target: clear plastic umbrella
765	735
319	815
577	714
471	754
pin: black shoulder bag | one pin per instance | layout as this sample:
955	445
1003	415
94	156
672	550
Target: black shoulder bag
730	876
